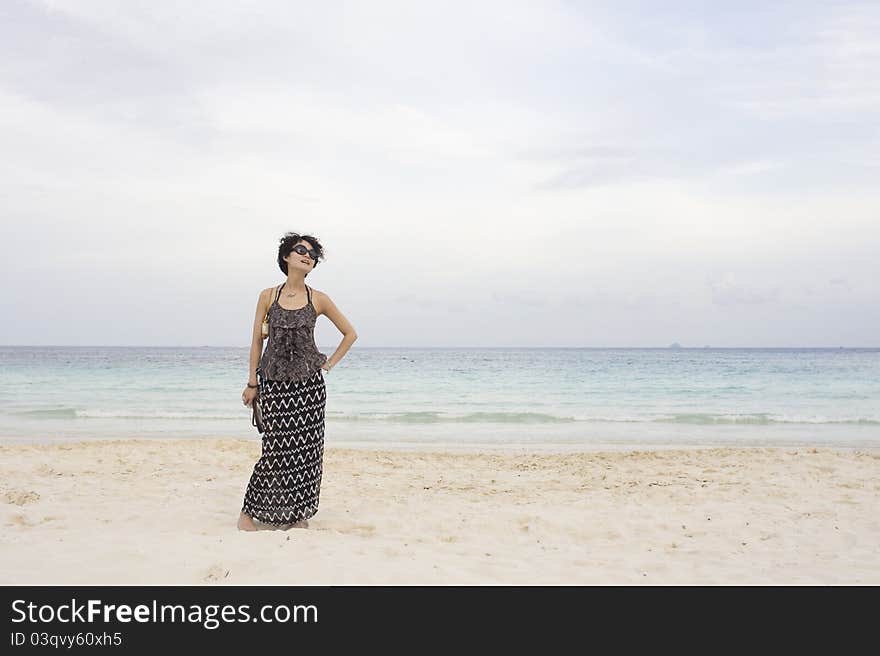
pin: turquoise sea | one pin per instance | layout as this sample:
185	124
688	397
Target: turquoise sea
540	397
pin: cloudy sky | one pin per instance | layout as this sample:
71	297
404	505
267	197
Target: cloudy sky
481	173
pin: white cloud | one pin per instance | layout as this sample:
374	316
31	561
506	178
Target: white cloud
586	158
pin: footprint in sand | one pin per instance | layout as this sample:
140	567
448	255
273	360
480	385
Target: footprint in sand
21	497
216	572
359	529
20	520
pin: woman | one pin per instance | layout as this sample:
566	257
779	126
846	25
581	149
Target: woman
285	485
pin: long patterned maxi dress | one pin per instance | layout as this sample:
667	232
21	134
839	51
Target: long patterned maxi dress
285	485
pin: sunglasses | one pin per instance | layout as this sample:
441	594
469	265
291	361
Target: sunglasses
302	250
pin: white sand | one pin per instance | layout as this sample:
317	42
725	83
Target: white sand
165	512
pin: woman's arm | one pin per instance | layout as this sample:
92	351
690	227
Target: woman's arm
257	337
327	307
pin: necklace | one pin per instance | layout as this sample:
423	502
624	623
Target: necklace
290	293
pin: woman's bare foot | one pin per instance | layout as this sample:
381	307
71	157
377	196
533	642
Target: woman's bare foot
245	523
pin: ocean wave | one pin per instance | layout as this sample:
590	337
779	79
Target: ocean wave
703	418
436	417
543	418
428	417
74	413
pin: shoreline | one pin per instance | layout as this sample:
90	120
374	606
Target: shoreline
468	447
128	512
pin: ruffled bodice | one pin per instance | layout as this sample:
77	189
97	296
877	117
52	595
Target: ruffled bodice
291	352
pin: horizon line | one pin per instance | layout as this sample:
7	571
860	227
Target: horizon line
665	348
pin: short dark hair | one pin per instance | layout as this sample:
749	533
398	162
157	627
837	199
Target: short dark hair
291	239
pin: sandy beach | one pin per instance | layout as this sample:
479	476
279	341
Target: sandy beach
165	511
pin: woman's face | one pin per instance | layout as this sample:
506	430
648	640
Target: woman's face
304	262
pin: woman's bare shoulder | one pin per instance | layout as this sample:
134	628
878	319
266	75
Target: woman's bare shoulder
267	294
319	299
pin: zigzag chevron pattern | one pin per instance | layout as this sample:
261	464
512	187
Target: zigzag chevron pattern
285	485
